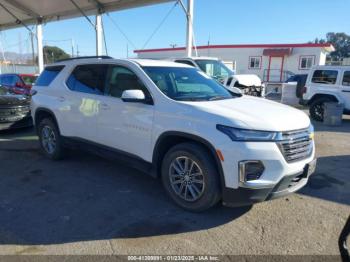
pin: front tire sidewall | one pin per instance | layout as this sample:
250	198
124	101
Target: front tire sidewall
313	109
58	152
211	194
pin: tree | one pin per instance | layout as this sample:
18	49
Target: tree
341	43
54	53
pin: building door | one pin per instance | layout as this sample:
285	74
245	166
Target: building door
275	70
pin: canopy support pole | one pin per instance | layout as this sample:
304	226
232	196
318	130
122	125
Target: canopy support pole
99	35
39	34
189	36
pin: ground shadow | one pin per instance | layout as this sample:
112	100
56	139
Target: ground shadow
343	128
86	198
331	180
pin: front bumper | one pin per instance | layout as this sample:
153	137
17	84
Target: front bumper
247	196
24	122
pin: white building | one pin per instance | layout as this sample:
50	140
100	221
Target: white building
273	63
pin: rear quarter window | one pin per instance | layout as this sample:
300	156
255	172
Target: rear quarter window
48	75
346	78
328	77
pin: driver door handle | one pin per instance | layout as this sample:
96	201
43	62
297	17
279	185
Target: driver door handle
104	106
61	99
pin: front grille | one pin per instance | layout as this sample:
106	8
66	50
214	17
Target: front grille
296	145
12	114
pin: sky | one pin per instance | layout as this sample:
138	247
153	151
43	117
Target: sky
217	21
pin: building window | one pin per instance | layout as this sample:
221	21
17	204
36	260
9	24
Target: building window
306	62
255	62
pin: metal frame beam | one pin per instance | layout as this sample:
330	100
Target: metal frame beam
189	35
22	8
39	37
99	34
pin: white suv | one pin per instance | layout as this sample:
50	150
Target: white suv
173	121
327	84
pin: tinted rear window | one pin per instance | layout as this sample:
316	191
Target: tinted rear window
325	77
48	75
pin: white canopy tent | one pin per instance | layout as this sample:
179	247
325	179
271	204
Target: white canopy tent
17	13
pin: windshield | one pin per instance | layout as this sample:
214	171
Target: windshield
187	84
214	68
28	79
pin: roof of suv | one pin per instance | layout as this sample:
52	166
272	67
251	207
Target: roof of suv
140	62
198	58
330	67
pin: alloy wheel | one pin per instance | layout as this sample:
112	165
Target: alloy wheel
186	178
48	139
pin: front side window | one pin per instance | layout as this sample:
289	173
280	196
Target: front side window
48	75
214	68
325	77
346	78
187	84
89	79
254	62
306	62
120	79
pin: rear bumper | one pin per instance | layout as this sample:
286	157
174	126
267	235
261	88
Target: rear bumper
249	196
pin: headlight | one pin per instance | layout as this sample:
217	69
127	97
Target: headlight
237	134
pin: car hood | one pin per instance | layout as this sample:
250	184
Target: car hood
254	113
248	80
10	99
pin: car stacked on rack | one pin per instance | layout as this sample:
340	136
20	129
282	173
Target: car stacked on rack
18	83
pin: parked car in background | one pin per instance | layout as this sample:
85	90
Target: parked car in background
300	80
327	84
173	121
14	110
18	83
248	84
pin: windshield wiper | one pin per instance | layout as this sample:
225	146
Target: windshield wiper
217	98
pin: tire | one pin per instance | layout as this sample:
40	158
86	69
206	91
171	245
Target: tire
199	196
49	134
317	108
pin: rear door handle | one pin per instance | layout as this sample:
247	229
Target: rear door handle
105	106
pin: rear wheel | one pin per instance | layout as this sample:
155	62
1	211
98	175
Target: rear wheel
190	177
50	139
317	108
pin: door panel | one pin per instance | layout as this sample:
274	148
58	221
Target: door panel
345	89
121	125
80	104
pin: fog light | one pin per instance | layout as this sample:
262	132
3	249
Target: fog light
250	170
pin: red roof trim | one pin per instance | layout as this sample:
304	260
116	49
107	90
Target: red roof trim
236	46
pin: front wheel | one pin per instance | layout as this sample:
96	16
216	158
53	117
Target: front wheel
190	177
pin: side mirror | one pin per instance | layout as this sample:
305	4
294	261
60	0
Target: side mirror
133	96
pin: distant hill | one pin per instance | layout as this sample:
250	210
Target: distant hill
17	58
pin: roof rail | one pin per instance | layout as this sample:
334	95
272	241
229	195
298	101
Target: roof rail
84	57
